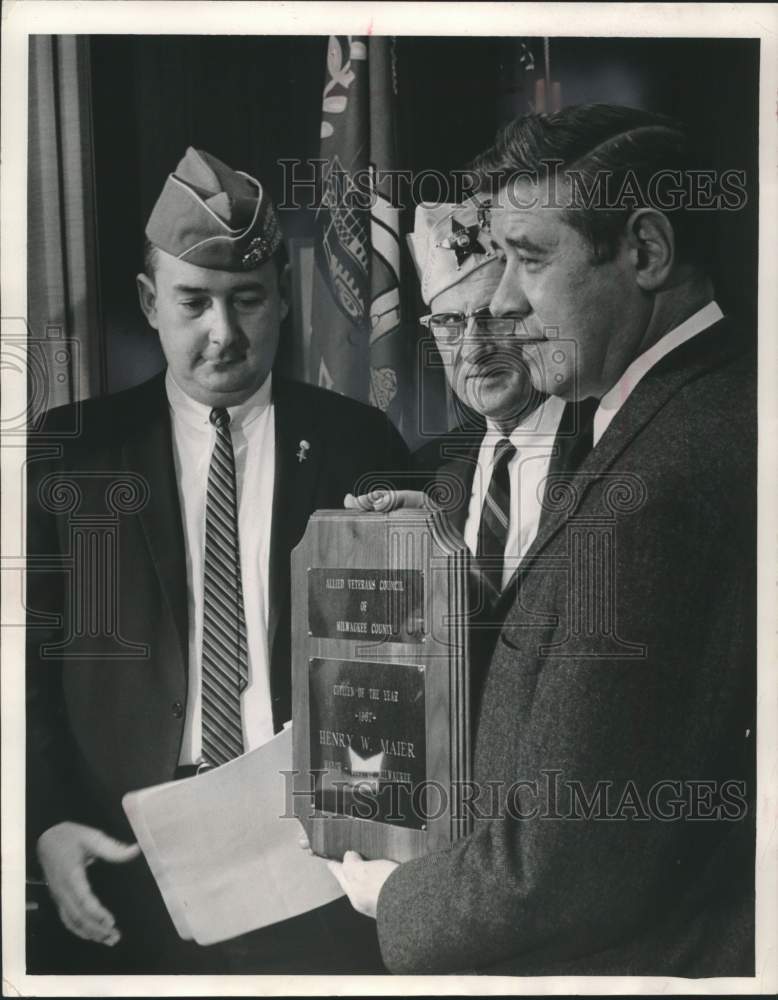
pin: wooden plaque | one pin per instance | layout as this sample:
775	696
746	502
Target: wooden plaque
380	686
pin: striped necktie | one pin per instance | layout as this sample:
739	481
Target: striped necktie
225	657
495	518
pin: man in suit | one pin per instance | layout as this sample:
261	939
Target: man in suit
615	741
166	651
489	473
511	441
508	436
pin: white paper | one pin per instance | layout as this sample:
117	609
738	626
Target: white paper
224	857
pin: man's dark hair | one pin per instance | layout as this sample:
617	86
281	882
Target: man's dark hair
280	257
616	159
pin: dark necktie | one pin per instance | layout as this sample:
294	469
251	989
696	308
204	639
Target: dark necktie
573	443
495	519
225	656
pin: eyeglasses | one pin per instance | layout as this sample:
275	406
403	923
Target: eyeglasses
449	327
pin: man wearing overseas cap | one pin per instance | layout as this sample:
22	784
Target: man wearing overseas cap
228	461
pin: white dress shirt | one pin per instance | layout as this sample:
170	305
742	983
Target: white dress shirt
533	439
616	397
252	426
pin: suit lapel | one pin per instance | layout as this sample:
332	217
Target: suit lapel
454	476
148	451
293	491
660	384
458	471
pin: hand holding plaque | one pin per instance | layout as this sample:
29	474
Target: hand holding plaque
380	691
384	500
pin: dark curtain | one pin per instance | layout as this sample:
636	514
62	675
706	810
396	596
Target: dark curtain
63	285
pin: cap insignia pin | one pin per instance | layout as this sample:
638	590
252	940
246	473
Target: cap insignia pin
463	241
259	249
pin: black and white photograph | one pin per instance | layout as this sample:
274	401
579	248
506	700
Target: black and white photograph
389	472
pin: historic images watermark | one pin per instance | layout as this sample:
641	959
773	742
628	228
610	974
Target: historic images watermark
90	504
551	796
666	190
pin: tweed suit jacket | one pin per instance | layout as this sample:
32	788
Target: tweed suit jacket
616	728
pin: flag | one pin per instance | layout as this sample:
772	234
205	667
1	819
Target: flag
356	338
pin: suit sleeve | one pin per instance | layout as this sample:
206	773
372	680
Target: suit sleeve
537	877
52	795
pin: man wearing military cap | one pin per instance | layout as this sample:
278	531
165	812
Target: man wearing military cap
232	460
510	440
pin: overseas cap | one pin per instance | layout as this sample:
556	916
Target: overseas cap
213	216
449	243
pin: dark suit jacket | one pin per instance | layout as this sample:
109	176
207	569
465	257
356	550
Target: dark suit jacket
610	685
444	468
106	711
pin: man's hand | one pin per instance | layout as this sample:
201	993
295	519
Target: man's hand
65	851
362	880
381	501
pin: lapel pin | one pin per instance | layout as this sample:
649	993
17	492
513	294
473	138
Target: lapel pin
302	451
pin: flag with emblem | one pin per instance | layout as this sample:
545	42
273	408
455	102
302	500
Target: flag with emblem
356	337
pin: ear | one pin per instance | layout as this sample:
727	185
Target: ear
285	290
147	295
651	241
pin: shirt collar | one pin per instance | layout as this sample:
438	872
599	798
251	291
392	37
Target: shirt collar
198	414
538	427
616	397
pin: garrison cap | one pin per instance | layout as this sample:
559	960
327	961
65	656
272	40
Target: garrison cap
213	216
449	242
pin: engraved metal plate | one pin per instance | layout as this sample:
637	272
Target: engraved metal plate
368	740
372	605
